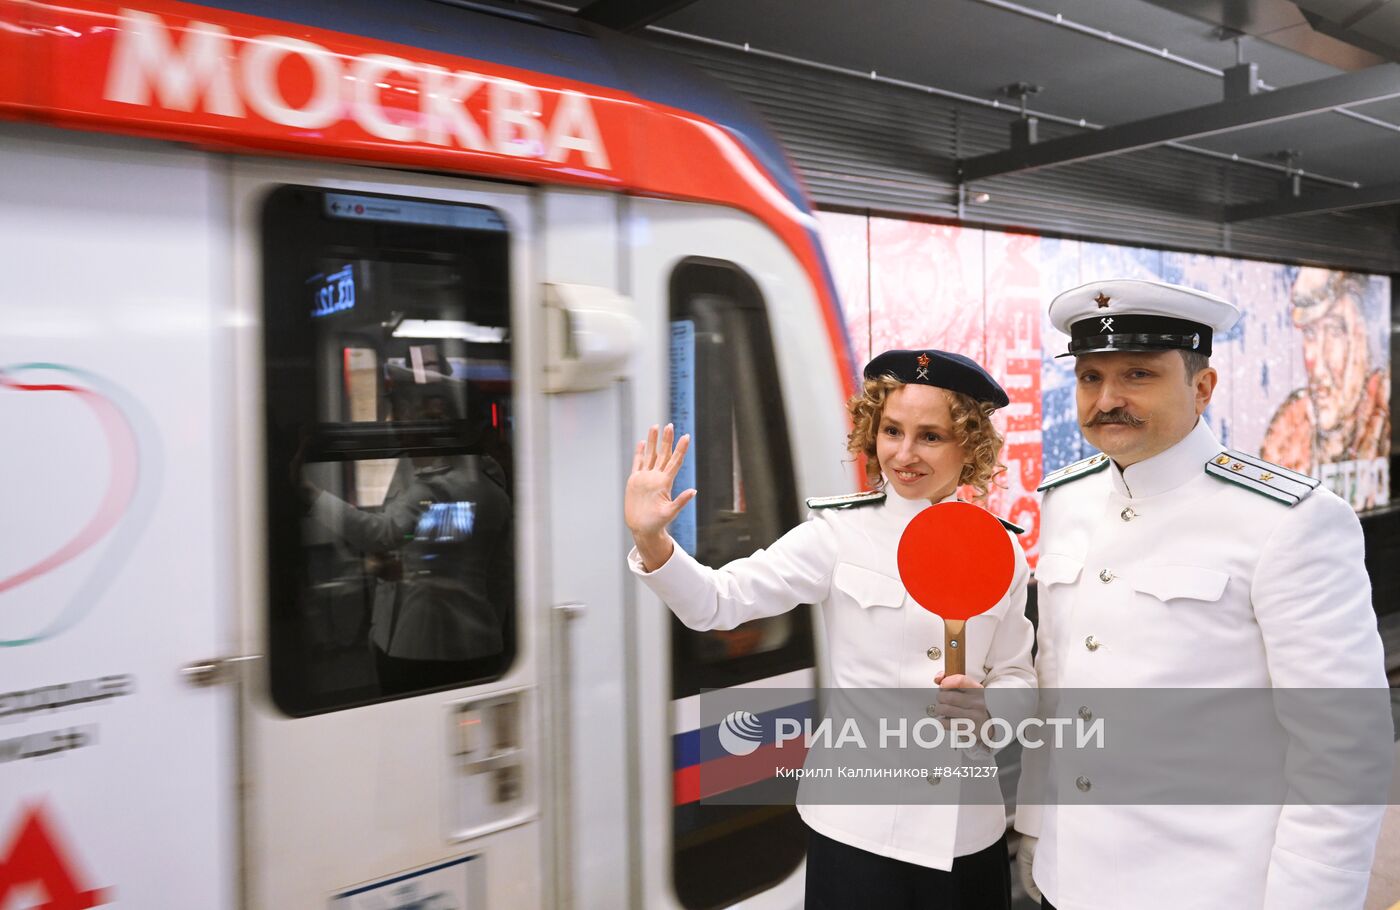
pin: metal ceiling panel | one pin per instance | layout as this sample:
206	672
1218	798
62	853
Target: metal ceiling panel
1278	22
1375	84
1369	152
864	146
1372	25
1326	201
1104	63
961	46
628	15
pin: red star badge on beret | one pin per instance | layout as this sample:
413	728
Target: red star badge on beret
1102	300
923	360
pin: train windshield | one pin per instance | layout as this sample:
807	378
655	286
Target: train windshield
389	426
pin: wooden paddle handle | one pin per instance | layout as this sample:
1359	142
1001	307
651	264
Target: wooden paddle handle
954	647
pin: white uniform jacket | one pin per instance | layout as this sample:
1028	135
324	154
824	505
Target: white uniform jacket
1165	576
844	561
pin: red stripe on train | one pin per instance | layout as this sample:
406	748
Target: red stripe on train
721	775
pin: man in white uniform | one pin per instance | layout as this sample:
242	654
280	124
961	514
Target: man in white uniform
1171	562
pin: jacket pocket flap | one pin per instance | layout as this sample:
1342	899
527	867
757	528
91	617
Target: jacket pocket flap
1054	569
868	587
1185	582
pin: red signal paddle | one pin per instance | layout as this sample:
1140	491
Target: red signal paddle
956	561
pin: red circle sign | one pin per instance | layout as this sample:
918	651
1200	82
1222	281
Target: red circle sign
956	560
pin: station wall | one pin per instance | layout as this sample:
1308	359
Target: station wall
1305	374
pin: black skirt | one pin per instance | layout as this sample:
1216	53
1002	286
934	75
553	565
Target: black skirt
842	877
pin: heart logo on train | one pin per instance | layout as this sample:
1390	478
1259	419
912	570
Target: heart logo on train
114	510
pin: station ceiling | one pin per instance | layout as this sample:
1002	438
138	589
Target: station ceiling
1120	67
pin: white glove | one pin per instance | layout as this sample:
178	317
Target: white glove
1025	858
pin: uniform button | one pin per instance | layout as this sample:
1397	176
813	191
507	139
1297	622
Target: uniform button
1083	784
1085	713
933	779
931	710
1127	514
1091	643
935	653
1106	576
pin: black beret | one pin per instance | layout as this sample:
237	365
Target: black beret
939	368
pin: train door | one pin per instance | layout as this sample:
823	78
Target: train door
588	452
742	364
392	738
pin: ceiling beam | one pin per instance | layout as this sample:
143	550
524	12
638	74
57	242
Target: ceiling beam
1339	200
629	15
1375	84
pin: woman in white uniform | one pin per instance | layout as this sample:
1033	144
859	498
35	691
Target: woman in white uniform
923	425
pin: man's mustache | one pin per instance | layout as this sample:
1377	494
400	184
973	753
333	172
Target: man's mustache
1117	415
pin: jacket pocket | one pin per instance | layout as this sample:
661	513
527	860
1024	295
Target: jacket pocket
1167	583
1054	569
868	587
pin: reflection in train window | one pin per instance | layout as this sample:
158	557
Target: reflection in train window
389	424
725	393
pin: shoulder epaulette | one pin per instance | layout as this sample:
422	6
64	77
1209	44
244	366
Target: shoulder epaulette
846	500
1082	468
1264	478
1013	528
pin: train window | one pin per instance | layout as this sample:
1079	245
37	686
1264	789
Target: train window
389	422
725	393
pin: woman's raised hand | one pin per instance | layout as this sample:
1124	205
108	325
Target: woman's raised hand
648	507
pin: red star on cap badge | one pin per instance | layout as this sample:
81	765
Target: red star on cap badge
1102	300
923	360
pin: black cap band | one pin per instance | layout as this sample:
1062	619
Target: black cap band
1138	333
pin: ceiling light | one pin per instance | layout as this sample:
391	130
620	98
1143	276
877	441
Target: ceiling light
449	328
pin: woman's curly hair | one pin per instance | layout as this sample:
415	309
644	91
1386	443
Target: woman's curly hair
972	428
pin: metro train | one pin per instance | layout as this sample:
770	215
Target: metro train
327	331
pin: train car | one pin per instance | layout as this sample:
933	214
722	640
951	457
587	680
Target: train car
326	331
